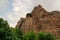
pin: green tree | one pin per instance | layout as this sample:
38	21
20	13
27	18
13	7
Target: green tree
19	33
11	34
49	36
40	36
3	29
6	33
29	36
45	36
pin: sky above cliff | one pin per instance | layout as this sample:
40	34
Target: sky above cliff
13	10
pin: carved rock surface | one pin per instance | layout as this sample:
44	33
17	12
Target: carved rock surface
41	20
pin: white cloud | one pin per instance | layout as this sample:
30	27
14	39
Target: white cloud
22	7
10	17
56	5
3	3
0	16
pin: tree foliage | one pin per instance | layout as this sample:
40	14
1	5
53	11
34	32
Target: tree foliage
40	36
19	33
29	36
49	36
45	36
8	33
4	28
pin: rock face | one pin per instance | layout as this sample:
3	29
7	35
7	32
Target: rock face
41	20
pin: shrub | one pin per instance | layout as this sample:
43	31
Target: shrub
29	36
49	36
41	36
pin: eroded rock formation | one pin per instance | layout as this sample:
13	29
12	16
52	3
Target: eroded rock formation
41	20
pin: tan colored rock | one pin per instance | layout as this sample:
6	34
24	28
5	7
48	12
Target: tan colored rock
41	20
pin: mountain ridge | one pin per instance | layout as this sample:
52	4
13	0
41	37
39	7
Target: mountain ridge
41	20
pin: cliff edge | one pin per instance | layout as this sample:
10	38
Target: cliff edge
41	20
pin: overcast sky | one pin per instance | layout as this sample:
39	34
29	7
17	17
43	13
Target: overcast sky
13	10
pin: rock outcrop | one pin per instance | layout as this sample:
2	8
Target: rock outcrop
41	20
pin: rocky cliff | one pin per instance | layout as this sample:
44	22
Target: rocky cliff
41	20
